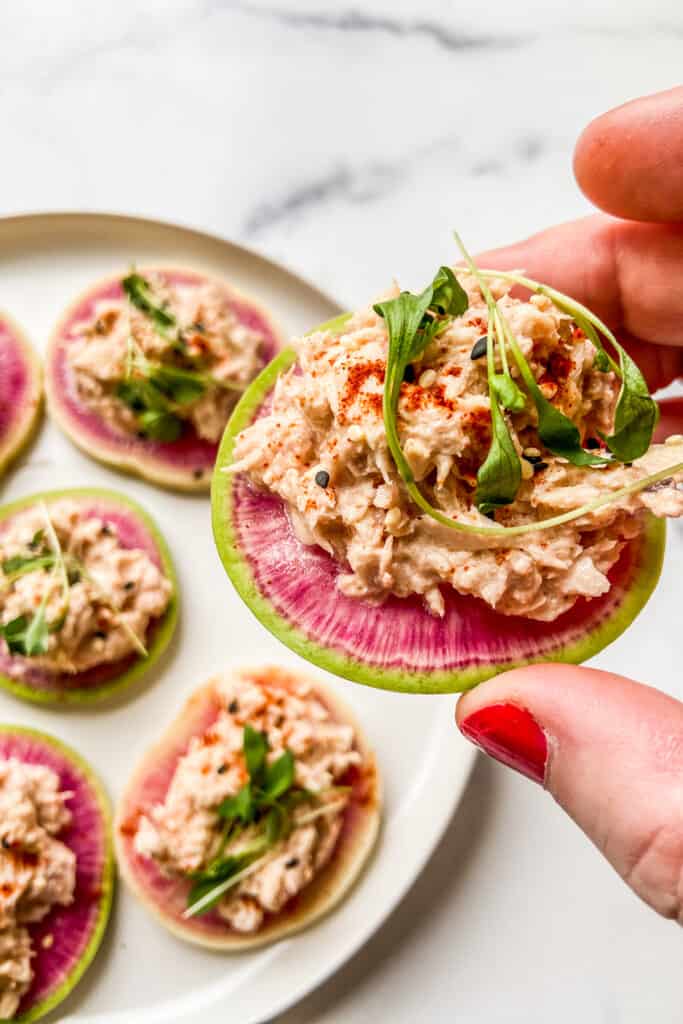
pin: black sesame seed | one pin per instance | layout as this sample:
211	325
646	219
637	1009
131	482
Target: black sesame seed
628	464
128	585
292	862
409	374
592	442
222	768
106	530
538	466
480	347
233	706
6	845
491	514
533	459
100	634
322	478
197	473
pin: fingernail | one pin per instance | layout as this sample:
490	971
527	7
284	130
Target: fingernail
510	734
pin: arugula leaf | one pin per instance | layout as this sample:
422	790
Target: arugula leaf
37	633
255	746
153	415
279	776
37	539
19	565
507	392
636	414
139	292
27	635
448	295
181	386
239	807
500	474
159	425
215	882
556	431
14	633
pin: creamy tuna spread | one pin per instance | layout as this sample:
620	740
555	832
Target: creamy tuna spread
256	804
178	358
71	595
37	871
322	448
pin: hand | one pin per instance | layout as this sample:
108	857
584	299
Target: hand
609	750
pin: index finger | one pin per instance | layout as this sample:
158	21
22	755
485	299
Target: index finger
629	161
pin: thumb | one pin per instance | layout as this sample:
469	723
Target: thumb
610	752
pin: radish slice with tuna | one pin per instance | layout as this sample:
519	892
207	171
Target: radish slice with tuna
166	897
136	529
21	391
66	941
399	645
184	464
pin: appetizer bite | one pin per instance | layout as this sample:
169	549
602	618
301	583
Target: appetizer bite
56	871
143	371
254	814
88	595
448	484
21	391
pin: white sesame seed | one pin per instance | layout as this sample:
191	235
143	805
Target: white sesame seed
393	519
674	439
356	432
427	378
527	470
533	453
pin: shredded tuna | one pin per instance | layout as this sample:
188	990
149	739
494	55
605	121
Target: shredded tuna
115	592
214	342
326	415
184	832
37	871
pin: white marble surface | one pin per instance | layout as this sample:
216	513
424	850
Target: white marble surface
346	141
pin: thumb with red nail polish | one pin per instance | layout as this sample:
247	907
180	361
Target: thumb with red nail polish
610	751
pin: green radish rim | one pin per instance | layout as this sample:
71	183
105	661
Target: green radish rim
108	882
163	629
646	572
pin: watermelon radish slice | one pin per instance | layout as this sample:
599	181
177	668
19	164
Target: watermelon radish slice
185	464
22	677
66	941
166	897
21	391
399	645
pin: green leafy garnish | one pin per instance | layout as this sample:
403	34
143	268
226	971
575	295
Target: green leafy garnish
265	802
412	320
636	415
27	635
637	412
19	565
140	294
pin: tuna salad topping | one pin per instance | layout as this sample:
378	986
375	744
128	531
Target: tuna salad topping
37	871
466	437
71	595
256	804
164	357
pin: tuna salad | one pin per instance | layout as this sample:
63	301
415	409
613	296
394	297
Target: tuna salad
256	803
37	871
466	438
72	596
168	355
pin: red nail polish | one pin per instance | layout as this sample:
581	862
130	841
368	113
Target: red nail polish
510	734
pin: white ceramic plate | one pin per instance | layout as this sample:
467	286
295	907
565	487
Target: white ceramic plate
45	260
